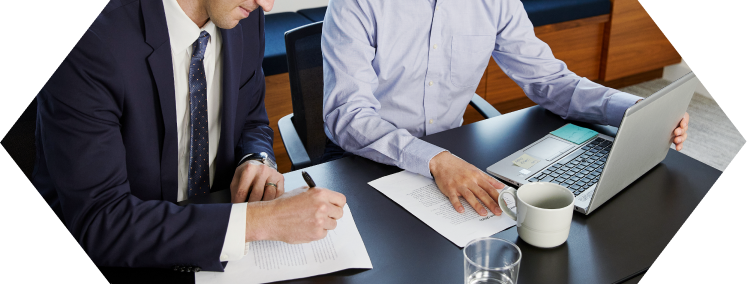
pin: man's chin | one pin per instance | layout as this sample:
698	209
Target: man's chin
227	25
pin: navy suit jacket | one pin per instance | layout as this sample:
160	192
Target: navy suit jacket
107	139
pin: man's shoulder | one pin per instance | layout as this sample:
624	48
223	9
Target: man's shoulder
113	5
117	17
120	28
118	8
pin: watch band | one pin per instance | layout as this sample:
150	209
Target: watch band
261	157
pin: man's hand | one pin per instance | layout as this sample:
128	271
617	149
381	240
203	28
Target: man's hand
257	180
295	218
456	178
680	133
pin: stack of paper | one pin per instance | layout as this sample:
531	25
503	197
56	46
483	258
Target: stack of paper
269	261
420	196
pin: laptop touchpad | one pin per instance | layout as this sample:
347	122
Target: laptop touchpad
548	149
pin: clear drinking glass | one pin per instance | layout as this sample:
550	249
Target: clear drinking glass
491	260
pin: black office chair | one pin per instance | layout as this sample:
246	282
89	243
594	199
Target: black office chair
302	131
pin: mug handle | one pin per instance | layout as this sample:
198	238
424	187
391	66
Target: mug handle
502	202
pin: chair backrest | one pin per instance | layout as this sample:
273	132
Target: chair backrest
304	51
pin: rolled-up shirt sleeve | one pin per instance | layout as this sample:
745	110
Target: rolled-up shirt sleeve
546	80
351	111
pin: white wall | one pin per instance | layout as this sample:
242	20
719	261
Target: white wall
673	72
295	5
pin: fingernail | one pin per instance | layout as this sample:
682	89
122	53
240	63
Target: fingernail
483	212
460	209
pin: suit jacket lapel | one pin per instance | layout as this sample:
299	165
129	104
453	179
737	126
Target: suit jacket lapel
157	36
232	58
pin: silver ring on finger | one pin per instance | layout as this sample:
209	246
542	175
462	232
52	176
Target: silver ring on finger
271	184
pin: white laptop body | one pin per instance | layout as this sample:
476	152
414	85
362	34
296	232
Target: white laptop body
608	165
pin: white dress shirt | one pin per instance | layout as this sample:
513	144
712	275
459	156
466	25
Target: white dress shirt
183	32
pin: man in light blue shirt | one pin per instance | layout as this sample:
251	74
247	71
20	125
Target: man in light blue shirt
398	70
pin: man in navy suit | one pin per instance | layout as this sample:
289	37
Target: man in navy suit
159	101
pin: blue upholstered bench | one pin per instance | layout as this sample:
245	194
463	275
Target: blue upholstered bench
546	12
540	12
314	14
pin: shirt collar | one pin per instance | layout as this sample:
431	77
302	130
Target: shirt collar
183	32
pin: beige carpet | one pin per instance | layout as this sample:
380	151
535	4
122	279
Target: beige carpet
712	138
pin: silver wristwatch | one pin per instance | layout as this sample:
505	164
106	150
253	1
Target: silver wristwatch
261	157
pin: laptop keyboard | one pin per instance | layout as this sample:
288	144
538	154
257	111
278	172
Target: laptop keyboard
581	169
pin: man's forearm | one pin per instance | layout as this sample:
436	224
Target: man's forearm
547	81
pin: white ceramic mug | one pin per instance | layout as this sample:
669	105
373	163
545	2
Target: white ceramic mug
544	212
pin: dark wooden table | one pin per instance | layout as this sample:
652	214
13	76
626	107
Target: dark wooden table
617	242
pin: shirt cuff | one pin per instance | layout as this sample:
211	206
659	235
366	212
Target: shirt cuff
418	154
234	246
617	106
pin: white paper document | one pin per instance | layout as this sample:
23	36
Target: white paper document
420	196
269	261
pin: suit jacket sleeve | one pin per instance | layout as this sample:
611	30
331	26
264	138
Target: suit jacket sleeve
257	136
79	112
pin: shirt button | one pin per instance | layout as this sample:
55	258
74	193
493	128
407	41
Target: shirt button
431	83
224	257
437	8
431	121
435	46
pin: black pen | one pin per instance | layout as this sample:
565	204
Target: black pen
308	179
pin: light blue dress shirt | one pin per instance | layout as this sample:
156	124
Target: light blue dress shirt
398	70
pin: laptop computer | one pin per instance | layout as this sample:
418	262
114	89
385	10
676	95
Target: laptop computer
600	167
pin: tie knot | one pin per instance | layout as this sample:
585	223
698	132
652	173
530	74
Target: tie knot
198	47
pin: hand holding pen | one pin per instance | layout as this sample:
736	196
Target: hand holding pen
299	218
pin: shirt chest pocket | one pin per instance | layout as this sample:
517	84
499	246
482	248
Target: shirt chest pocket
470	56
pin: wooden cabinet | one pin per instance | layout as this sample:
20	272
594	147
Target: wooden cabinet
635	44
278	104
